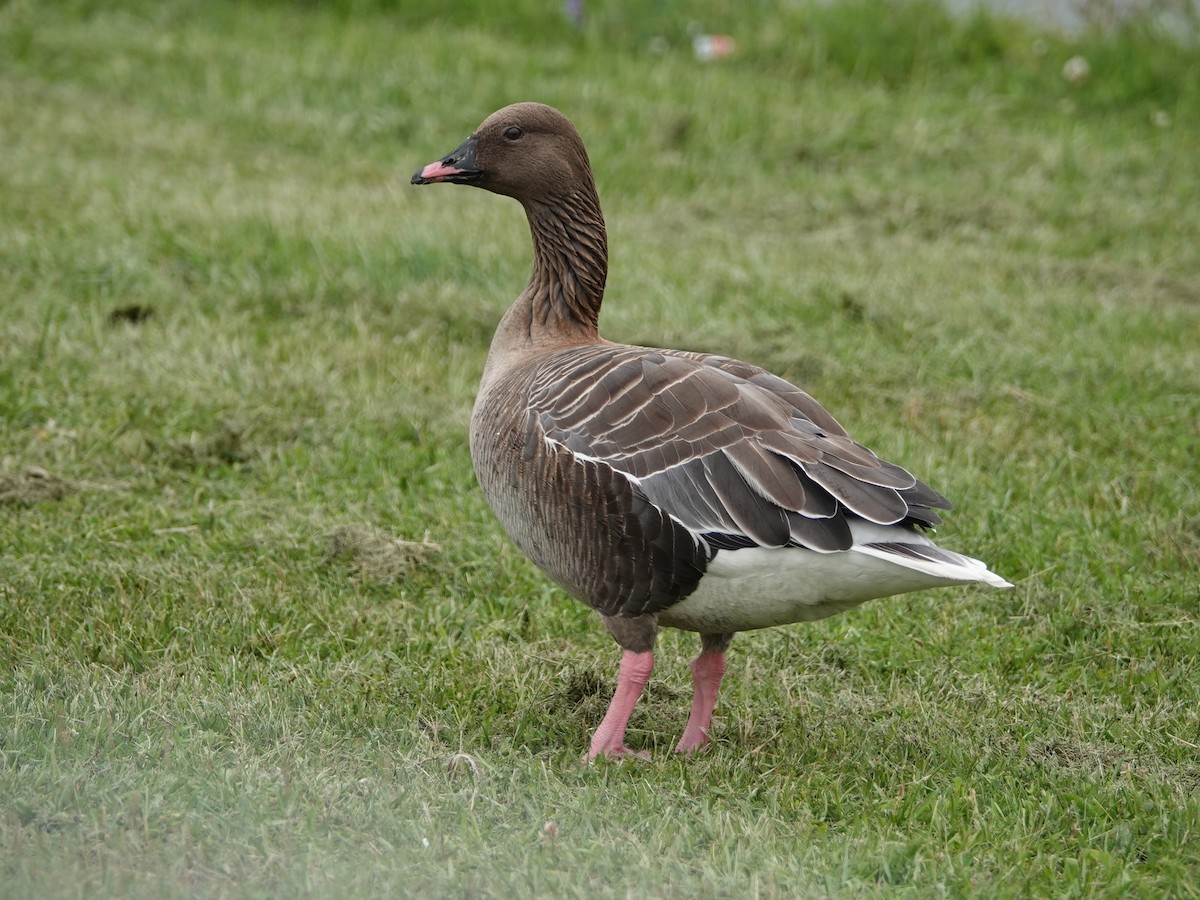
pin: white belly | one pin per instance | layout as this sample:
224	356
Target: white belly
759	587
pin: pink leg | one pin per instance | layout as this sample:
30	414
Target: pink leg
707	671
609	738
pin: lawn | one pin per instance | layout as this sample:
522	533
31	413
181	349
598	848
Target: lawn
260	634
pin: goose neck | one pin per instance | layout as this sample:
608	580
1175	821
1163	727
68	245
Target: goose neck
570	265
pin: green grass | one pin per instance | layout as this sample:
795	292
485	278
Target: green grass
221	678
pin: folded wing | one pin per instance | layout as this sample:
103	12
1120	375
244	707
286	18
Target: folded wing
738	456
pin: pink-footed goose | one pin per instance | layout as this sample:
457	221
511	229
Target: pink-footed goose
662	487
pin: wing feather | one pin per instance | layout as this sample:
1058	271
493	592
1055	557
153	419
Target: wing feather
770	475
883	506
754	515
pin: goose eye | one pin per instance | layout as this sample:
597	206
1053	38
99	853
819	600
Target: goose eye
512	132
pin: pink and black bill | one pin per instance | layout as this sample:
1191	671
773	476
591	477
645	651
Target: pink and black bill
458	168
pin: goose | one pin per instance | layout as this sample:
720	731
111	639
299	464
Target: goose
666	487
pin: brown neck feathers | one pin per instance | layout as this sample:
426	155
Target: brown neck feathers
570	264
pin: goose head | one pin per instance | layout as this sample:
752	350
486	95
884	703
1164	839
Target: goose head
528	151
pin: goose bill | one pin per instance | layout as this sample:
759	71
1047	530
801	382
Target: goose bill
459	167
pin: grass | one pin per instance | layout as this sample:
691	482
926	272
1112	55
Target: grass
259	633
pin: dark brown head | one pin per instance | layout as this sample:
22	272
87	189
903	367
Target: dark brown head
529	151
